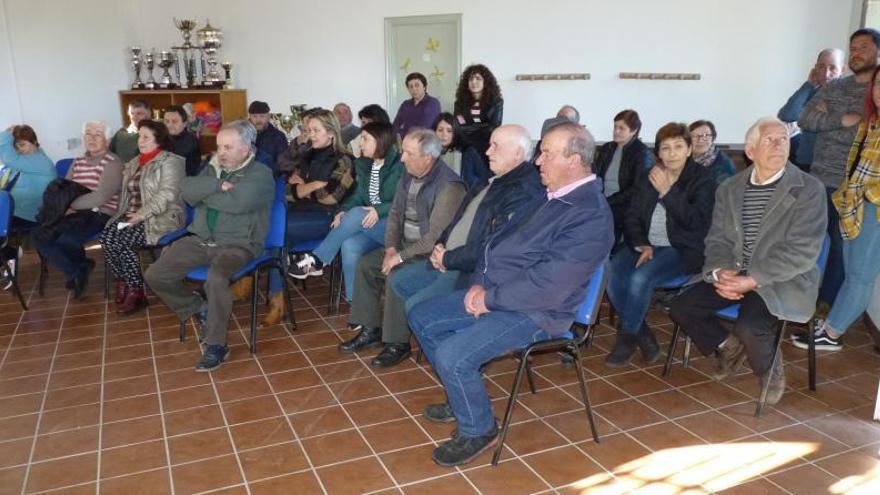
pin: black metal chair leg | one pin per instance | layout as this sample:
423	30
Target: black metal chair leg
585	395
670	354
686	357
762	400
811	358
182	330
44	274
529	376
256	276
508	412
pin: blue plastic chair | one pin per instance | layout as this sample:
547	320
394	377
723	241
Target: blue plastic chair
6	206
272	258
570	342
731	313
62	166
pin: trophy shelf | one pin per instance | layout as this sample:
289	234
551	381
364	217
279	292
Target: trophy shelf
231	103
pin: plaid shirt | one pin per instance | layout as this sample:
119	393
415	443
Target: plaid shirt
860	184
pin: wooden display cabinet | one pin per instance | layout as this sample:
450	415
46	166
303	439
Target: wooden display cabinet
232	104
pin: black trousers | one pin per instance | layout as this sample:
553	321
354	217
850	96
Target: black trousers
695	309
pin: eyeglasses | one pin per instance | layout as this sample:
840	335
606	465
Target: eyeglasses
707	135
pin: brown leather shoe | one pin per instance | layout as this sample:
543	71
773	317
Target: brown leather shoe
241	289
121	290
731	357
277	311
135	299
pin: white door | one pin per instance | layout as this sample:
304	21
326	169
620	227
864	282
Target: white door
428	44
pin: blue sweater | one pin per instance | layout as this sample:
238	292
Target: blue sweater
540	263
790	113
37	171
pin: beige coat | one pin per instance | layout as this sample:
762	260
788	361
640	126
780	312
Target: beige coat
162	209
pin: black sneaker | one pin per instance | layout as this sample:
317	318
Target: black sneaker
308	266
214	357
461	450
823	341
439	413
622	353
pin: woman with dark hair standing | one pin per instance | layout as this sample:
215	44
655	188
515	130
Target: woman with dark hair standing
419	111
149	207
668	219
703	135
478	110
620	162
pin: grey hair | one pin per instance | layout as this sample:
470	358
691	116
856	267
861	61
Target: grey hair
577	115
99	123
429	143
753	135
520	136
580	142
246	131
837	53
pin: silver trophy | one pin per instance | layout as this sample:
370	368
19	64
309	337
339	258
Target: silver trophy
166	61
227	68
136	65
211	40
149	59
187	53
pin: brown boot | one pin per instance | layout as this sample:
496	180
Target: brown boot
121	290
241	289
277	311
731	356
135	299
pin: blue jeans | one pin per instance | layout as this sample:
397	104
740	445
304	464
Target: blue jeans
862	267
353	240
457	345
833	277
301	226
417	282
66	252
630	288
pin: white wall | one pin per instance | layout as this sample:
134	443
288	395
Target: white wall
70	57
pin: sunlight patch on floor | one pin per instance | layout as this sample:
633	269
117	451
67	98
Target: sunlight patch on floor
695	469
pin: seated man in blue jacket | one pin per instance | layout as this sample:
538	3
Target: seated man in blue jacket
485	209
530	280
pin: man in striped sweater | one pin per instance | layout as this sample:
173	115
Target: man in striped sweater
101	172
768	226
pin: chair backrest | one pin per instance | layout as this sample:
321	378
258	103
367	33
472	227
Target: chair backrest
190	213
280	188
5	213
588	312
62	166
277	225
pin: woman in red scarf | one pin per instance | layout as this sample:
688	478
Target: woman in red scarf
149	207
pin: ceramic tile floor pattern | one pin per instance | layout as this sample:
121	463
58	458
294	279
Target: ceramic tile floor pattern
94	403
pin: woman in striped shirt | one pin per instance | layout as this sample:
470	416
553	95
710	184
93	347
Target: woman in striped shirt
101	172
359	226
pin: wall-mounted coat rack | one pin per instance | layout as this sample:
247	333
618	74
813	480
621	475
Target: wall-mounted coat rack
583	76
661	76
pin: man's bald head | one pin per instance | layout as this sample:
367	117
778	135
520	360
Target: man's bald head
509	146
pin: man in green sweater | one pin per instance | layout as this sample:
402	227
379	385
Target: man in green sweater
232	197
125	142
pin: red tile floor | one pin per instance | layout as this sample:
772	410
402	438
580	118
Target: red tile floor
94	403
